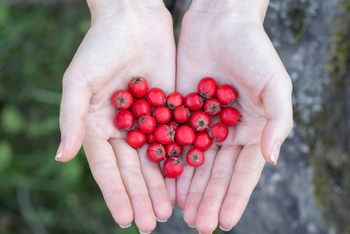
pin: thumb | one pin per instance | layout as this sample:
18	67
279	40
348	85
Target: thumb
277	101
75	101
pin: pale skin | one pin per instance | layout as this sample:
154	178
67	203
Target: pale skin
223	40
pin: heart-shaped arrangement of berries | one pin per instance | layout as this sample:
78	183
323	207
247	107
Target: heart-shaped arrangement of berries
175	121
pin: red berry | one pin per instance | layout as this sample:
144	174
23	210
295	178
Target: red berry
140	108
124	120
219	132
207	87
193	101
173	167
195	157
122	99
202	141
138	86
147	124
162	114
173	149
226	94
175	99
136	138
150	138
156	97
181	115
230	116
212	107
164	134
173	124
199	121
156	152
184	135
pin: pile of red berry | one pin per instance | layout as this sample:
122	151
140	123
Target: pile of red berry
164	122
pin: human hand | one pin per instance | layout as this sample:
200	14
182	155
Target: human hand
226	41
126	39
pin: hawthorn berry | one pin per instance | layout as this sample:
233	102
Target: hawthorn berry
218	132
156	152
164	134
193	101
150	138
122	99
175	99
181	114
173	124
212	107
207	87
202	141
195	157
199	121
173	167
156	97
185	135
124	120
162	114
138	86
140	108
147	124
226	94
230	116
173	149
136	138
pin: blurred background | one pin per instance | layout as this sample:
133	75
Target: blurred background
307	192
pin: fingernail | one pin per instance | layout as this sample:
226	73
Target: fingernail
275	152
224	229
191	226
125	226
201	233
59	151
144	232
162	221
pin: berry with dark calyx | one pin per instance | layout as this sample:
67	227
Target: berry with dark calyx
199	121
218	132
202	141
207	87
136	138
150	138
122	99
175	99
181	114
226	94
162	114
193	101
195	157
164	134
185	135
156	97
173	149
173	167
173	124
212	107
147	124
138	86
140	108
124	120
156	152
230	116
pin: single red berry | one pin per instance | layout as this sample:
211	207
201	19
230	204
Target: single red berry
175	99
136	138
173	124
219	132
173	149
147	124
199	121
212	107
156	152
156	97
122	99
162	114
193	101
185	135
207	87
140	108
226	94
195	157
181	114
124	120
230	116
164	134
202	141
138	86
150	138
173	167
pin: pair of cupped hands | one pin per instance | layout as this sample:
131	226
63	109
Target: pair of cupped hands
226	42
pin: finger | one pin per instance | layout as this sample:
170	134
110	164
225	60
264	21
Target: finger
74	107
277	101
198	185
208	212
156	186
105	170
245	177
135	185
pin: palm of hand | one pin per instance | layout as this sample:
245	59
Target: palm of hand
239	54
